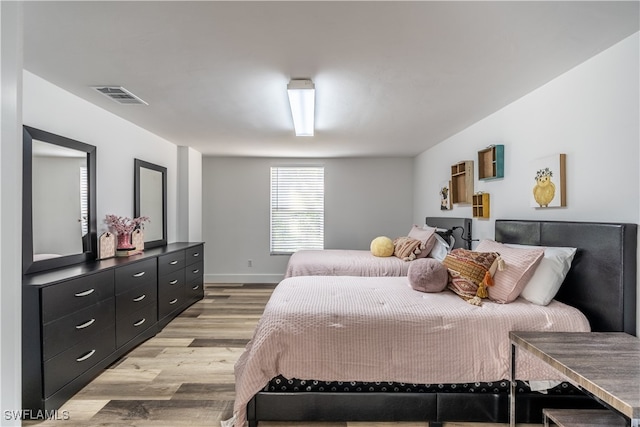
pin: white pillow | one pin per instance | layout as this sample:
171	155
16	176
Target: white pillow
549	275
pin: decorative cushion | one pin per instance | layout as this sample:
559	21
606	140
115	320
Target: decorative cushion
520	264
470	273
427	275
426	235
382	246
407	248
549	275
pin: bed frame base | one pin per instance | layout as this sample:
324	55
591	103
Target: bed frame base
435	408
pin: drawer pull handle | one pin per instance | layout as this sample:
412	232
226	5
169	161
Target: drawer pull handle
196	254
85	293
173	301
195	288
86	356
196	271
173	282
173	262
86	324
139	322
139	274
140	298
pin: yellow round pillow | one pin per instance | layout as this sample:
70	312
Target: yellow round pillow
382	246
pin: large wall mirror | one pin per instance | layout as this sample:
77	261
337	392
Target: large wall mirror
150	199
58	201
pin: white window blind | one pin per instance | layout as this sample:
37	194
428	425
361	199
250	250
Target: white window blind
84	201
297	208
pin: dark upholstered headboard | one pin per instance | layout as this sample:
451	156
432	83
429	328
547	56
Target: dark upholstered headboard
462	232
602	279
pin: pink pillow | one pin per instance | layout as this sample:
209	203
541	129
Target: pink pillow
427	275
426	235
519	266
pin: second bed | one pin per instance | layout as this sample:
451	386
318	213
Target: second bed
346	262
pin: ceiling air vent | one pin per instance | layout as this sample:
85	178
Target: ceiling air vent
119	95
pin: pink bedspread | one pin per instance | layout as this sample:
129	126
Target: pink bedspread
344	262
379	329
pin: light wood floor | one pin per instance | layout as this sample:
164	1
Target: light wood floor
184	375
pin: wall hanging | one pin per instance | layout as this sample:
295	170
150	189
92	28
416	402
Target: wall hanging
462	182
491	162
548	183
480	206
445	196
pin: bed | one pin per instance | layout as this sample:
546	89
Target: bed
601	285
345	262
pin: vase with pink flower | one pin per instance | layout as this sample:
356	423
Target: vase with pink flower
123	226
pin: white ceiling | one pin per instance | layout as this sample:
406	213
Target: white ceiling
392	78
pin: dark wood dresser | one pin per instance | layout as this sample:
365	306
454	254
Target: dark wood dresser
78	320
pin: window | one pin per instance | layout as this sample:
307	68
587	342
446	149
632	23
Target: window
297	208
84	201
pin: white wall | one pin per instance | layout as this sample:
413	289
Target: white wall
189	195
56	183
364	198
10	209
591	113
118	142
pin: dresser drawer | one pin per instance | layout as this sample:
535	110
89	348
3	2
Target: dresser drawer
67	365
171	303
79	326
130	276
193	272
127	327
171	297
170	281
170	262
134	299
195	254
68	297
194	290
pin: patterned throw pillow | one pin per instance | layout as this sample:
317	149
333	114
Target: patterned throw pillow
470	273
407	248
520	265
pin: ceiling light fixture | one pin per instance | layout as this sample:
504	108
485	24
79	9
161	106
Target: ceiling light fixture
302	94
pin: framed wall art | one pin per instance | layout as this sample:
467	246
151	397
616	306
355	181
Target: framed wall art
548	181
445	196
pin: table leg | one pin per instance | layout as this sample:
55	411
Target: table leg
512	390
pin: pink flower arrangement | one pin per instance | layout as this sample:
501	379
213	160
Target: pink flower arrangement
123	224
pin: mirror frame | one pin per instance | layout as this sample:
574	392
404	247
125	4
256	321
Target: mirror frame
138	164
28	264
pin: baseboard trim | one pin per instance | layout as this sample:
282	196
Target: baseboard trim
243	278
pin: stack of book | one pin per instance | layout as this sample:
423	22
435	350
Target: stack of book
128	251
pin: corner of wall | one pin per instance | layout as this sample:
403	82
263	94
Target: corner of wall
189	212
11	210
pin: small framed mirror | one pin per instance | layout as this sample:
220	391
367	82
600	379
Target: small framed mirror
150	200
58	201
